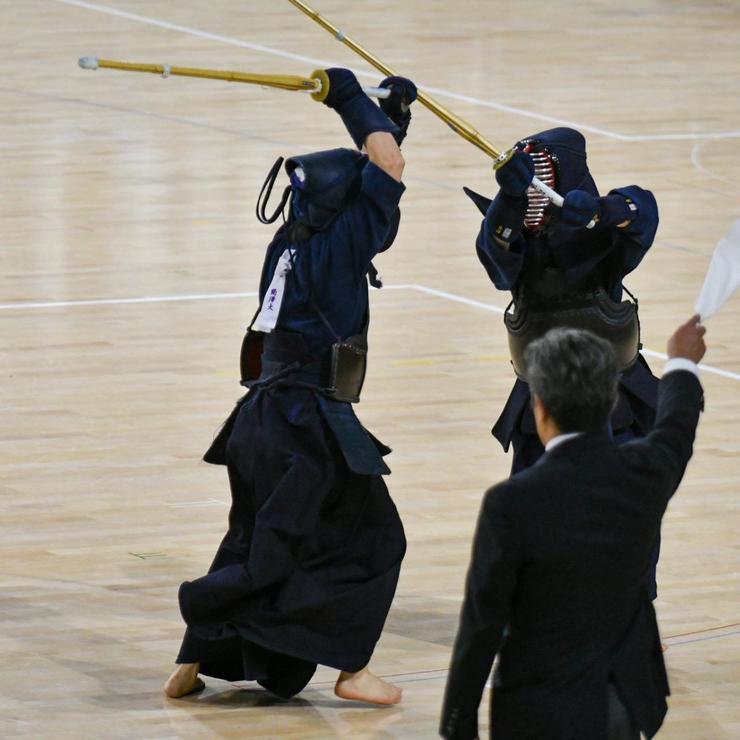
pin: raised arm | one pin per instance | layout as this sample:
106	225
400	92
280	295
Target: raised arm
638	232
669	446
368	223
379	130
631	211
500	245
383	151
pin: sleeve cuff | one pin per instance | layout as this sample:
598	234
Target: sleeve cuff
644	220
616	209
681	363
380	187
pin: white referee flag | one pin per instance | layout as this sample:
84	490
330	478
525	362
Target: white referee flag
723	275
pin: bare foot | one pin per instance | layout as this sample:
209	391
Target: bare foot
183	681
365	686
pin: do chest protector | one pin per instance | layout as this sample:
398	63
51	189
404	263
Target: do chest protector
594	311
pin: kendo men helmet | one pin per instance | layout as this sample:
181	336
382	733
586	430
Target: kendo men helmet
324	182
321	184
559	156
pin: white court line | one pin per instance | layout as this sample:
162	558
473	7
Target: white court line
458	298
707	368
497	309
364	73
401	286
196	32
117	301
696	152
526	113
684	137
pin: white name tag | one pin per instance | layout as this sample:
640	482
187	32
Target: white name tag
267	319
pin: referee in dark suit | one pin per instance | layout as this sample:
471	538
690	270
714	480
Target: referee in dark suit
556	580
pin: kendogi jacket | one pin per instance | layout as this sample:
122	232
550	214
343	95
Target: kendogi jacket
324	299
548	264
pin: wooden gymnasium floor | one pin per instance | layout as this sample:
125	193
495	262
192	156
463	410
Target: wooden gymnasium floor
129	253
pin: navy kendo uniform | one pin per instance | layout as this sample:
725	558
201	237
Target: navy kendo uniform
555	265
308	568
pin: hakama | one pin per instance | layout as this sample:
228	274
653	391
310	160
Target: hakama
308	568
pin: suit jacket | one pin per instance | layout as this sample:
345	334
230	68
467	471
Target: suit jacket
555	584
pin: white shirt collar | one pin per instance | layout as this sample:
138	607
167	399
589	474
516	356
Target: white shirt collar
555	441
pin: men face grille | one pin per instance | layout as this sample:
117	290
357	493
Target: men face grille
537	202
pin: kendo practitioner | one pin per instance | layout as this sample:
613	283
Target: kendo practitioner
308	568
564	268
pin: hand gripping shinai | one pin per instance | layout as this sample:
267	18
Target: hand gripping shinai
317	84
457	124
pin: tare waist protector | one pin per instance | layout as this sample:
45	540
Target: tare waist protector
617	323
282	356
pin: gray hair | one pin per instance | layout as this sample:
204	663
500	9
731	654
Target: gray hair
574	373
